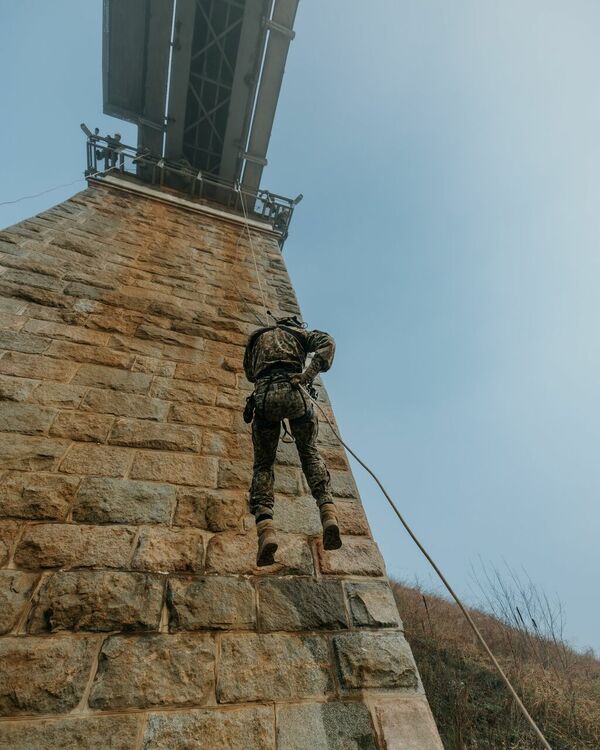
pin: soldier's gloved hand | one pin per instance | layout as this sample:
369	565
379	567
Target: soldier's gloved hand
299	378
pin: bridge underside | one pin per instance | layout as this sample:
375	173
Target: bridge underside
200	78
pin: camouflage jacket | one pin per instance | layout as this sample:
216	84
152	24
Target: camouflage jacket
287	346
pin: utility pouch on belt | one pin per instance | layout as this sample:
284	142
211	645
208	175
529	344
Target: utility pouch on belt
249	408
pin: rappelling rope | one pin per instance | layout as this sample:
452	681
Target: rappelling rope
442	577
247	224
57	187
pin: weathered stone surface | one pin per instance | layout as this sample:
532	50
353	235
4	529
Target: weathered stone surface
203	373
154	670
68	332
184	390
8	529
98	601
153	366
352	519
297	514
358	557
272	667
407	724
301	604
43	675
169	550
92	733
25	418
372	604
100	355
235	554
176	468
37	496
23	342
374	660
215	510
98	376
211	603
243	729
16	389
343	485
227	444
15	588
140	433
205	416
106	500
326	726
101	460
36	366
76	425
64	545
124	404
25	453
59	394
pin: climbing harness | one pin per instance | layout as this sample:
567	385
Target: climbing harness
443	579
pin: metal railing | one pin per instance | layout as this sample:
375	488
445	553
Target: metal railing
107	155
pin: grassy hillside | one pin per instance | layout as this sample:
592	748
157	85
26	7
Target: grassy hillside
560	687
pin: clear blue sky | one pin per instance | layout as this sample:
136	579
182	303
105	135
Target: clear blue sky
449	154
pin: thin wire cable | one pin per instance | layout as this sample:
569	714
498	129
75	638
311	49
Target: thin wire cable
262	293
56	187
442	577
237	289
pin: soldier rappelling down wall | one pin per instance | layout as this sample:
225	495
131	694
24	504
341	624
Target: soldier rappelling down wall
274	360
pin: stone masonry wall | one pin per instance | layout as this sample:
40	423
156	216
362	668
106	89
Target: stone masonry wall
131	612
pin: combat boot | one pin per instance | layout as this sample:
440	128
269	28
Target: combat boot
331	529
267	543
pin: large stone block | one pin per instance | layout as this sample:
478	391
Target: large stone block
297	514
357	557
23	342
65	545
91	733
301	604
203	373
37	496
69	332
215	510
272	667
8	531
98	376
36	366
63	395
205	416
24	453
169	550
154	670
100	460
98	355
211	603
15	589
99	601
184	390
250	728
76	425
177	468
43	675
107	500
375	660
16	389
140	433
326	726
124	404
407	724
372	604
352	519
235	554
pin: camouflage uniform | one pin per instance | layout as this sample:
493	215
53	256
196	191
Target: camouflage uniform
271	356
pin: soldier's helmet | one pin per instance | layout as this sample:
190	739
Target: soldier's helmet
293	321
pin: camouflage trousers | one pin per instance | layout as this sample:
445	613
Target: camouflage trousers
277	399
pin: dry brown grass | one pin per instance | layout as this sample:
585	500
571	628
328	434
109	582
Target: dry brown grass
560	687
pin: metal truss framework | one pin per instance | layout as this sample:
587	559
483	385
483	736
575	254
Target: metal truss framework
216	37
